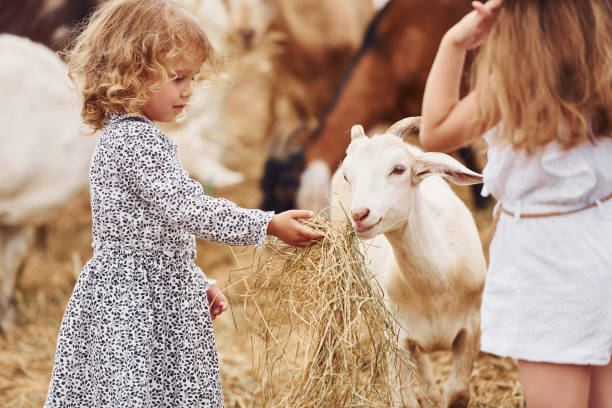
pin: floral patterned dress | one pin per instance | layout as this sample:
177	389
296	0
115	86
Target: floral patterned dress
137	330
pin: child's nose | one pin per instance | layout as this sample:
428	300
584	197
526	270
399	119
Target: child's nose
186	92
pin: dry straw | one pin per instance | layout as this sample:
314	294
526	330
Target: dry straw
323	335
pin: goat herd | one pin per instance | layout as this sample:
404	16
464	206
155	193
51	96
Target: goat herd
301	74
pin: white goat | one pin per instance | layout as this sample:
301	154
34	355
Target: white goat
44	159
426	251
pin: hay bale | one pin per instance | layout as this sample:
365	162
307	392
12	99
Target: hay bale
323	333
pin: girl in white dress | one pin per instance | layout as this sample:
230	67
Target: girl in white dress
137	331
542	92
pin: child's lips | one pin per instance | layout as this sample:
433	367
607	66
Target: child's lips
179	107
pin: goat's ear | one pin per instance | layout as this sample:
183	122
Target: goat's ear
406	127
440	164
357	132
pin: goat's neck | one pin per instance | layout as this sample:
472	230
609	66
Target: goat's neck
418	248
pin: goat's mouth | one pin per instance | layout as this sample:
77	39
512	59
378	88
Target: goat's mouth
362	229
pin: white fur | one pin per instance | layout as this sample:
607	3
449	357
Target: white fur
314	187
427	253
44	158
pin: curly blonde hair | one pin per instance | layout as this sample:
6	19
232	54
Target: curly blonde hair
546	71
125	52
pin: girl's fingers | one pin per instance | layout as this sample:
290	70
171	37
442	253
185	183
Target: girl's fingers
217	310
309	233
300	214
307	243
480	8
303	242
221	305
487	10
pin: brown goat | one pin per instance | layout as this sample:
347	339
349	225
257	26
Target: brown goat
319	39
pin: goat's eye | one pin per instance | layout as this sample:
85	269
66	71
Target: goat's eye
345	178
398	170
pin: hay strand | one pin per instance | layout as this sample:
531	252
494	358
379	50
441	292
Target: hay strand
325	336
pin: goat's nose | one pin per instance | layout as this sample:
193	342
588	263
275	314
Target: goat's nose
360	214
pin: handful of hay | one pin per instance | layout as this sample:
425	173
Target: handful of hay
323	335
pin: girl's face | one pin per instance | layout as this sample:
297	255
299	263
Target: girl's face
172	97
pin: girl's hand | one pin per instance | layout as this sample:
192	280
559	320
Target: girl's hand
287	228
216	301
471	31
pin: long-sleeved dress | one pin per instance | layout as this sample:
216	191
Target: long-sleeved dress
137	330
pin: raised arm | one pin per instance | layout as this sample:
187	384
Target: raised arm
445	115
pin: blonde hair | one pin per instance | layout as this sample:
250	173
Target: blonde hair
124	53
545	71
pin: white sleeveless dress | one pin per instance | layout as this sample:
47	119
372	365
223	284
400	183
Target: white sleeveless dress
548	292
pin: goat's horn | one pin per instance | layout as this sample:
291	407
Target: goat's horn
357	132
406	127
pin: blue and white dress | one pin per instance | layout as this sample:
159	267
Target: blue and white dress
137	330
548	291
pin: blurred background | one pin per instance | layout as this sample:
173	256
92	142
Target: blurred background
298	75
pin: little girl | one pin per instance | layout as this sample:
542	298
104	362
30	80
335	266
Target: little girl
137	331
542	91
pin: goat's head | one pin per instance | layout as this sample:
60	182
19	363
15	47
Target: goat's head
249	20
384	173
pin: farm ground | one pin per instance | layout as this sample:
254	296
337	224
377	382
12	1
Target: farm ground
26	352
